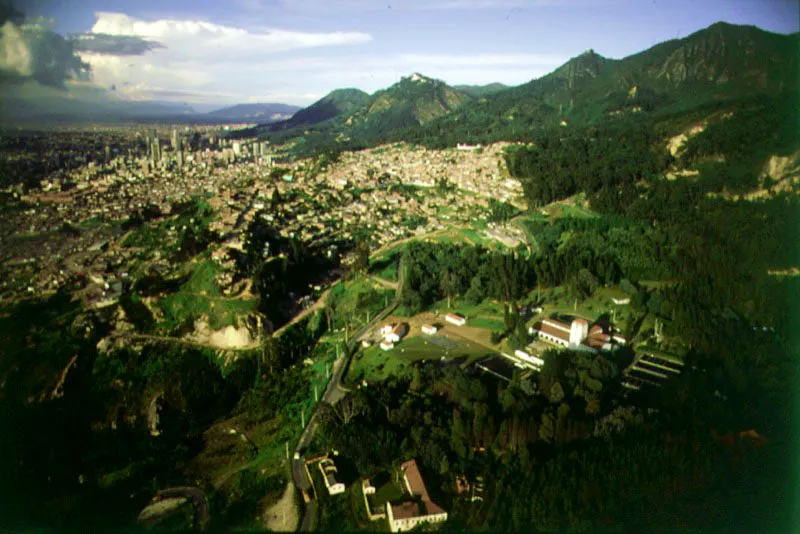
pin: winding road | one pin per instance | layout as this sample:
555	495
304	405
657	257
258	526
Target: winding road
333	394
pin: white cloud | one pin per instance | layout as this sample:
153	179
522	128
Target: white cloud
423	5
15	56
196	38
197	56
204	62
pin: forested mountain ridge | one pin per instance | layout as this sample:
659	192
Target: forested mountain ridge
718	64
336	104
324	113
690	77
414	100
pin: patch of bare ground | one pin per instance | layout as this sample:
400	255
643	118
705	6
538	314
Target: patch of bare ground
282	516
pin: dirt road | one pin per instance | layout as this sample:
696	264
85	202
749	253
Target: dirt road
282	516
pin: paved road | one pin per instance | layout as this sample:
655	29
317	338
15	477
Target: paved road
333	394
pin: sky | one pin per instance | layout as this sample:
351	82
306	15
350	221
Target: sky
215	53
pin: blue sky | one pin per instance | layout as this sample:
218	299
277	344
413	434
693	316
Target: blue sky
295	51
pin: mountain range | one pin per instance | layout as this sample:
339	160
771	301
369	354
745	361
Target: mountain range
27	101
719	64
253	113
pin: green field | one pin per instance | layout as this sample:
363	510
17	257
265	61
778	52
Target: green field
200	296
357	301
562	209
390	491
483	314
374	363
385	265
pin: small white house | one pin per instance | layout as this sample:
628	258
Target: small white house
454	319
329	470
386	329
366	344
624	300
428	329
387	345
397	333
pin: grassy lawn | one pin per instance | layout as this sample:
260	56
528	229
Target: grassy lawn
489	324
566	209
201	296
357	301
486	311
390	491
385	266
375	364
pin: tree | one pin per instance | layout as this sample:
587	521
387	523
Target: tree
444	465
349	407
449	284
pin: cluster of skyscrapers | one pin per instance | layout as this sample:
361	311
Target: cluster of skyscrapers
180	152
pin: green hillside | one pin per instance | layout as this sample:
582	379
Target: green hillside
719	64
414	100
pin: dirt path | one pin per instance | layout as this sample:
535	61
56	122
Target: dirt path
318	304
282	516
385	283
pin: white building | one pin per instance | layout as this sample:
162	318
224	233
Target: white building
328	470
387	345
417	508
579	330
577	335
397	333
529	359
454	319
428	329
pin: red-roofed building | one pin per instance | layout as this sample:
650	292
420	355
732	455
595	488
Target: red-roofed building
577	335
417	507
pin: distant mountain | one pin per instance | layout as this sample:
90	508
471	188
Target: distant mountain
350	114
478	91
336	104
261	113
31	102
720	63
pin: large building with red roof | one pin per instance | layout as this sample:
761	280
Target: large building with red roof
416	508
577	335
